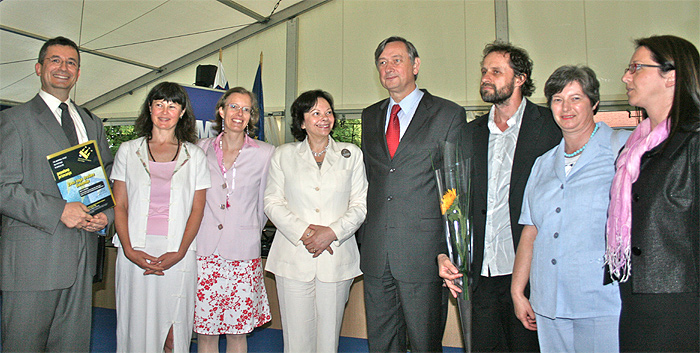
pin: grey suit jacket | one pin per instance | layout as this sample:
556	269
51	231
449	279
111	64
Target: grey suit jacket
404	223
538	134
38	251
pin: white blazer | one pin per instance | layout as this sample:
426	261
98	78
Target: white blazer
298	193
190	174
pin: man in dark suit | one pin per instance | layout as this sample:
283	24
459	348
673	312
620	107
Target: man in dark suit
47	245
503	145
403	231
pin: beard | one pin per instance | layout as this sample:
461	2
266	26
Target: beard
498	96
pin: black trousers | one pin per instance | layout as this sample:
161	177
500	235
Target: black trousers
665	322
495	328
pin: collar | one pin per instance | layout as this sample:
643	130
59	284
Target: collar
332	153
142	152
515	119
52	101
409	103
247	142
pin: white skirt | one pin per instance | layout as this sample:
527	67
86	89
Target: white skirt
147	306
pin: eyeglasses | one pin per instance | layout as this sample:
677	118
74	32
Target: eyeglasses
237	108
634	67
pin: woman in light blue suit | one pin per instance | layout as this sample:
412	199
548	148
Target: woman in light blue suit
316	197
564	211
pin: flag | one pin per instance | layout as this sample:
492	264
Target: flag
220	81
258	91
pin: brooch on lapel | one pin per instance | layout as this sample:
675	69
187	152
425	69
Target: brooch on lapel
345	153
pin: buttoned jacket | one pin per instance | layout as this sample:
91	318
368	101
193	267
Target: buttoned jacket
404	225
235	231
37	251
131	165
665	217
570	212
299	193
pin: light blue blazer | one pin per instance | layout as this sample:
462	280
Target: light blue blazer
566	275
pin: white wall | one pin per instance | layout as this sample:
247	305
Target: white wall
337	42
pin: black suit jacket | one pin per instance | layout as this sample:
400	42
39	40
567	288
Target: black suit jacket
538	134
404	223
666	217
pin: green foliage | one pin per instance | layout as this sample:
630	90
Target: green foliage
348	130
118	134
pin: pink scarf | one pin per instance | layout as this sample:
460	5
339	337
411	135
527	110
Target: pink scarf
619	225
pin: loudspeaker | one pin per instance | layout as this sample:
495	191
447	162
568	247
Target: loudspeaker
205	75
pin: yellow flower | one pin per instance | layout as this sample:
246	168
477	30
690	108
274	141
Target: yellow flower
447	199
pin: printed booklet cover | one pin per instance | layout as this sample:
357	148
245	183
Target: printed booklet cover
80	176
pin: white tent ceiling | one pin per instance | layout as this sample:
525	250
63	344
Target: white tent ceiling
132	41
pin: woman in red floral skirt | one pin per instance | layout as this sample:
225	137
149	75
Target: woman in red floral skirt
231	296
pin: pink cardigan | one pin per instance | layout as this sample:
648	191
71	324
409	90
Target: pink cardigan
235	231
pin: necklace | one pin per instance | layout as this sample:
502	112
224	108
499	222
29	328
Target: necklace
224	171
584	146
319	154
148	146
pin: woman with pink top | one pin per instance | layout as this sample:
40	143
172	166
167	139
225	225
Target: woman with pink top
231	296
159	187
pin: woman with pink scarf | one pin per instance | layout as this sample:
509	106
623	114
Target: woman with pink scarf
653	220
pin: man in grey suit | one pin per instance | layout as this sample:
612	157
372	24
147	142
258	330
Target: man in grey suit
403	231
503	146
48	247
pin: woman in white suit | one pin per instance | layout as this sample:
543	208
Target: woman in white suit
316	197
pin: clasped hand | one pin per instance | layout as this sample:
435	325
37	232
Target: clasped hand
151	264
318	238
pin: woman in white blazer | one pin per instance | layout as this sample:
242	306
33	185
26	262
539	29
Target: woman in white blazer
316	197
159	191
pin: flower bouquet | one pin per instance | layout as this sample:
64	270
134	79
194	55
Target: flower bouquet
453	182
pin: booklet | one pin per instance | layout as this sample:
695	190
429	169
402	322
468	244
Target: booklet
80	176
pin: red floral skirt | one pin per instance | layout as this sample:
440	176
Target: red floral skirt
231	296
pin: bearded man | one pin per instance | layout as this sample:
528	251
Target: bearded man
503	146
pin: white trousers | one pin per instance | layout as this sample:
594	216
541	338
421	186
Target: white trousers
312	313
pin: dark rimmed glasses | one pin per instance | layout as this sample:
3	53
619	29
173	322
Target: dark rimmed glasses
634	67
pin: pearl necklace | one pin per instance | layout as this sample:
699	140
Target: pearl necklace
584	146
319	154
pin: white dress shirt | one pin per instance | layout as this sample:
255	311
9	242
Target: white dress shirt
53	104
499	250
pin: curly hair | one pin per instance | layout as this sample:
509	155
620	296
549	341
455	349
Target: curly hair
520	62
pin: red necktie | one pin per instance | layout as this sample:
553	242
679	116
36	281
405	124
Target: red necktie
393	130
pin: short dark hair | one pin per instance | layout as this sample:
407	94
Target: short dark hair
186	129
57	41
675	53
520	62
566	74
254	111
410	48
303	104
